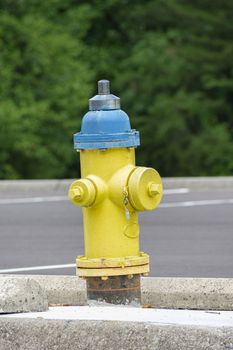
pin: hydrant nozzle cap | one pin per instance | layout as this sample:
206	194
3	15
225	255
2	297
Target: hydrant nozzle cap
104	100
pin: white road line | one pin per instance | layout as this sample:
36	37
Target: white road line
65	198
196	203
176	191
33	200
35	268
162	205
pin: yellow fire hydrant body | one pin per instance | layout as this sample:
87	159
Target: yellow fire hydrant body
112	190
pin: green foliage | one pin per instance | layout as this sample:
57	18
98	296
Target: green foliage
170	61
45	84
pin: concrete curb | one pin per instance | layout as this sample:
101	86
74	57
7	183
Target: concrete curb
162	292
60	290
48	186
24	333
27	334
63	290
18	294
188	293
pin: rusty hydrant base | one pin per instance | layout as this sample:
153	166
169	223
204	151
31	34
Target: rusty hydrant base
115	289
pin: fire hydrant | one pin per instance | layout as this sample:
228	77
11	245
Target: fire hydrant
112	191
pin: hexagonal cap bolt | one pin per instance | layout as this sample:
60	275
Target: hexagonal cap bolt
154	189
76	193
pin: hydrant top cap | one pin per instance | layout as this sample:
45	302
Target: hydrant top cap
104	100
105	125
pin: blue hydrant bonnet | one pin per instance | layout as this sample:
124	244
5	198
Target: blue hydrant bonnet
105	125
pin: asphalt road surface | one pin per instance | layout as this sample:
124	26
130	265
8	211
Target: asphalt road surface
190	235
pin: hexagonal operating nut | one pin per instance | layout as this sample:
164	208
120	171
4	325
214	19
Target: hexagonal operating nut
154	189
76	193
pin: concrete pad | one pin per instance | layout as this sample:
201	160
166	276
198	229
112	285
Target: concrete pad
188	293
19	294
117	328
134	314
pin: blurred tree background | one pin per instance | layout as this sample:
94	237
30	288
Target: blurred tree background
171	62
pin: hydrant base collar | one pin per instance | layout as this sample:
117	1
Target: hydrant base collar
122	262
113	271
112	266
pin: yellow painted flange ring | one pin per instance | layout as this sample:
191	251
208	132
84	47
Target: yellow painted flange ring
121	262
113	271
